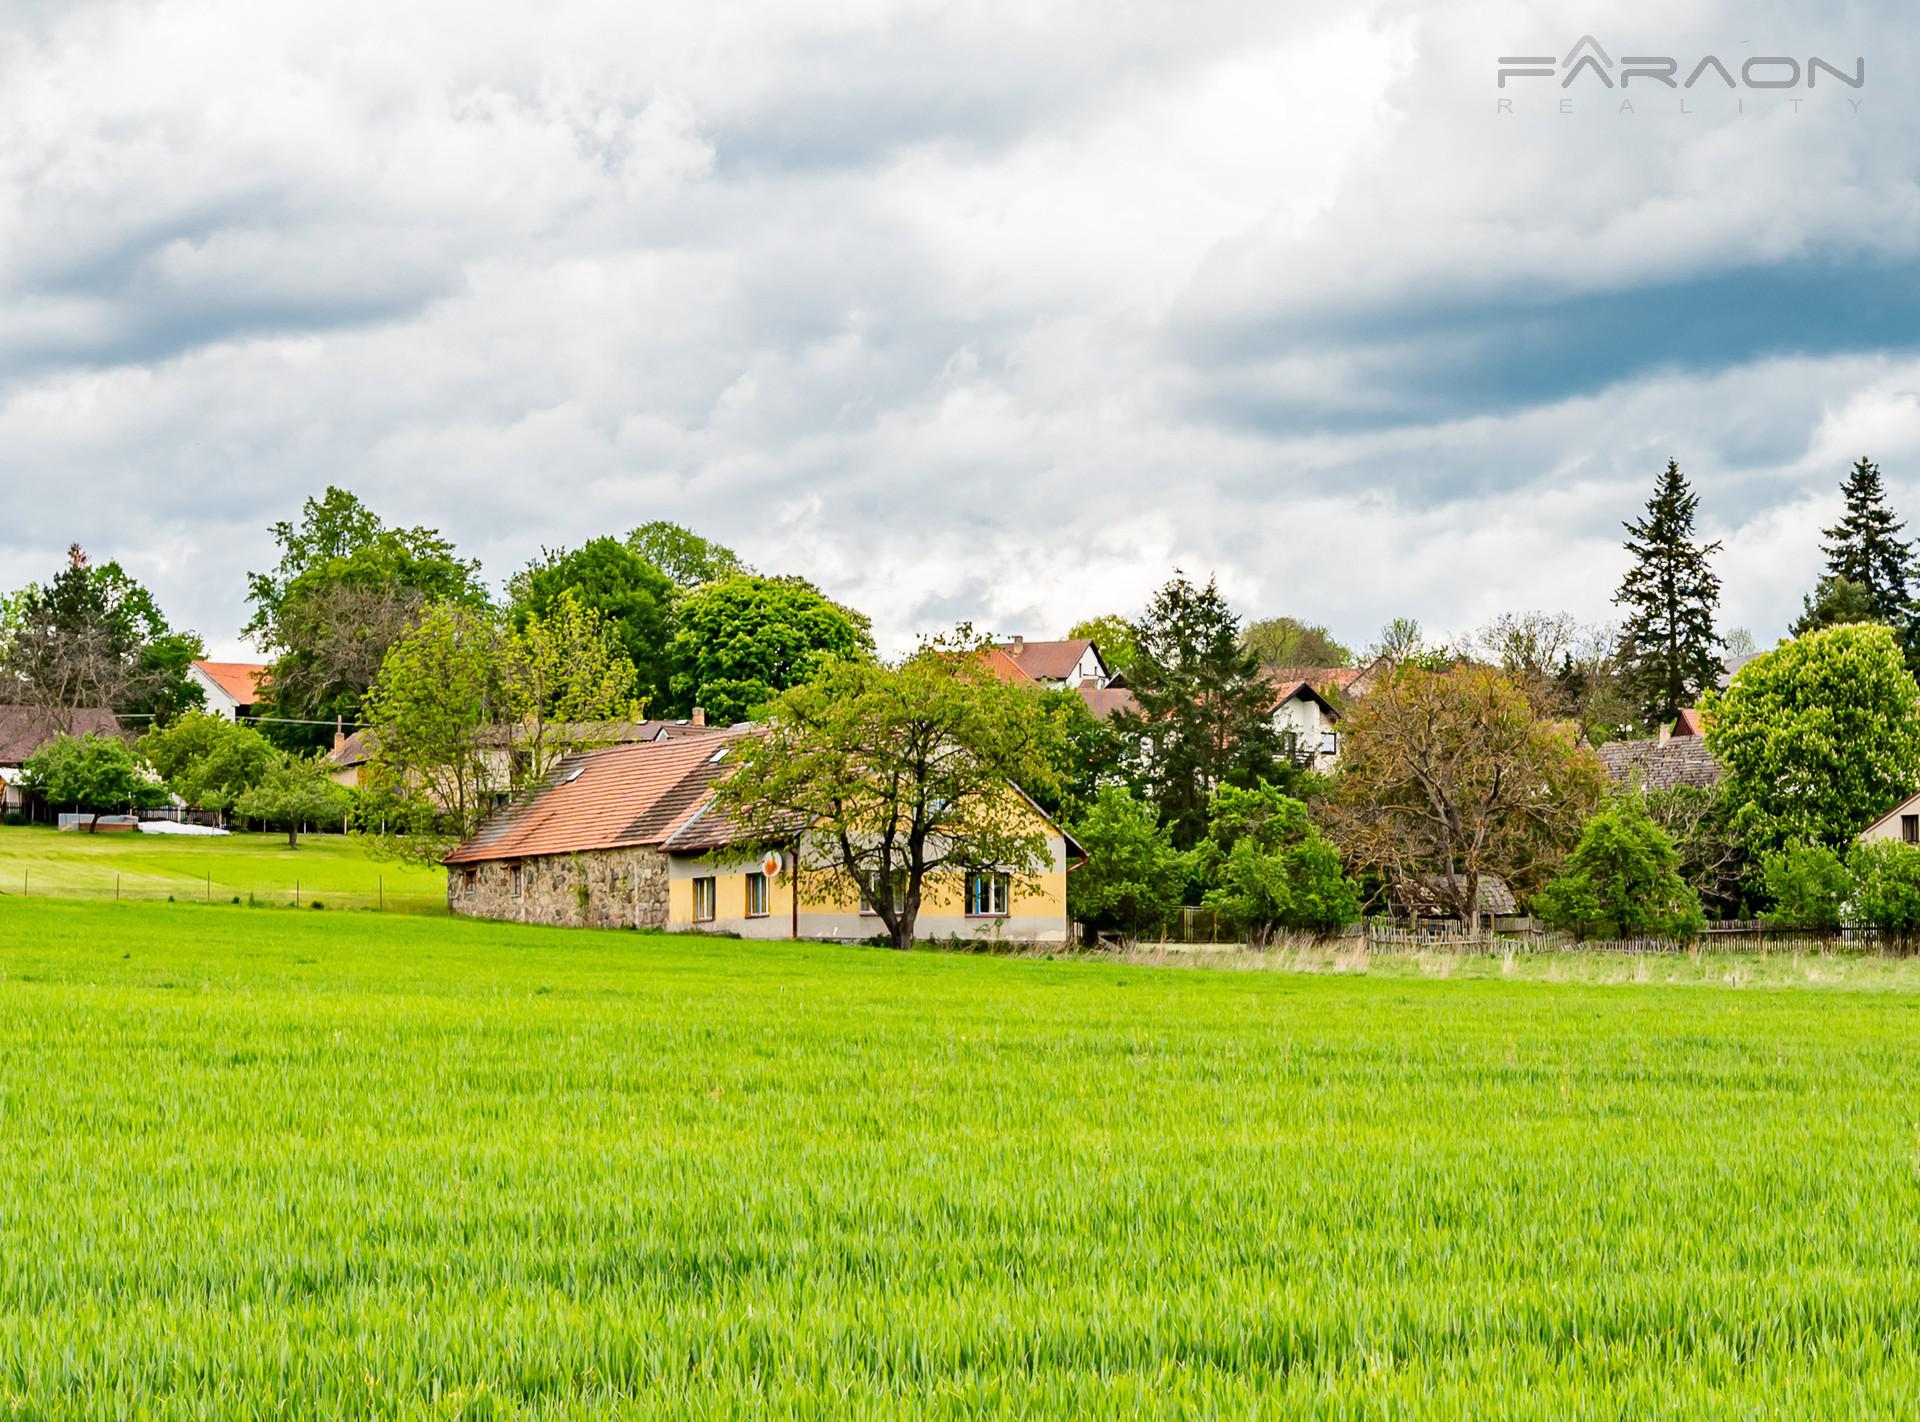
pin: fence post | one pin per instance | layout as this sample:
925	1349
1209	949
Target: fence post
209	886
296	893
116	886
380	887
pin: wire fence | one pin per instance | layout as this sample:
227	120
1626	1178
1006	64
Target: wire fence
70	882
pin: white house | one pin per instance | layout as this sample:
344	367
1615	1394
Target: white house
1902	822
1311	720
1073	663
230	688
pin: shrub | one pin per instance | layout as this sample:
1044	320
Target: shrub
1622	881
1809	885
1886	888
1267	868
1133	877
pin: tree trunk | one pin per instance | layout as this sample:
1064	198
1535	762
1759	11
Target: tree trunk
293	834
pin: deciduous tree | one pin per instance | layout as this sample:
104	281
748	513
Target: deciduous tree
1621	881
900	777
743	640
1818	737
1268	869
687	559
91	775
628	593
297	790
208	760
1451	774
1287	642
1113	635
1134	876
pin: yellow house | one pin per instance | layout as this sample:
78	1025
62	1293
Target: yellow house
630	836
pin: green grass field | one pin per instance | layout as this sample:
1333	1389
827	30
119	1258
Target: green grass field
315	1165
37	861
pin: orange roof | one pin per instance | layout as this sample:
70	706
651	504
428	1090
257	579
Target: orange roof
240	680
1004	667
1104	701
1688	722
615	798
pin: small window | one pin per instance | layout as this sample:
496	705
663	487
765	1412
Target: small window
899	893
1910	828
703	900
756	895
519	879
468	878
987	895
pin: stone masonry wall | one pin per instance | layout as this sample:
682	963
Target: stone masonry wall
625	888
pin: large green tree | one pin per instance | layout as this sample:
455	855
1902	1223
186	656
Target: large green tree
296	791
1205	716
1818	737
741	641
632	596
91	775
1268	869
344	589
566	674
1834	602
1134	876
1865	548
1669	651
899	778
93	636
208	760
1622	880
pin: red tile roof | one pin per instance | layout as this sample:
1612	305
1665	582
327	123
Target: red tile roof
1688	722
1047	661
24	729
607	799
1105	701
240	680
997	661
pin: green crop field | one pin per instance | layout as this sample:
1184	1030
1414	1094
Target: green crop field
36	861
258	1163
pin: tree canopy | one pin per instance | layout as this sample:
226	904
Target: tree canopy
1134	876
687	559
1289	642
207	760
1621	881
1448	777
93	636
741	641
1268	868
296	790
1669	651
346	586
94	775
631	596
899	778
1866	550
1818	737
1205	711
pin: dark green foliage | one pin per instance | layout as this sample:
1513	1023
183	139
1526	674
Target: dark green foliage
94	636
1834	603
1809	885
1669	651
1205	716
1268	869
1701	822
1621	881
610	578
1134	877
296	790
344	590
1093	755
1113	635
1866	550
741	641
90	775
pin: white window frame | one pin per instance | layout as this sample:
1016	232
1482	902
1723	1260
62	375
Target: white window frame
756	890
999	896
706	887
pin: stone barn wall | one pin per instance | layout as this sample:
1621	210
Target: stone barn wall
623	888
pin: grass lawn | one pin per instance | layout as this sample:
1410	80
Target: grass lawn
313	1165
38	861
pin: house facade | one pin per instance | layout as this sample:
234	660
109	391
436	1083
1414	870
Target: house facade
1072	663
1901	823
1312	722
230	689
631	837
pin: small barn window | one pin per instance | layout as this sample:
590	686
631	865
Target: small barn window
703	899
519	879
1910	828
756	895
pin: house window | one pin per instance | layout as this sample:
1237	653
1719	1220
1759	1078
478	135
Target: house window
519	879
467	878
899	893
1910	828
987	895
756	895
703	899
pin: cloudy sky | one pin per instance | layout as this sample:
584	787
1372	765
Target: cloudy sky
980	311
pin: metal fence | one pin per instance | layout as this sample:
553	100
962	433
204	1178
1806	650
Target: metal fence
106	885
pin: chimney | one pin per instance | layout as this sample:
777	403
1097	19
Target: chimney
1666	730
699	715
1018	643
339	733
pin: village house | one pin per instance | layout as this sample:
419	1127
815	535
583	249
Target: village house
349	760
230	689
1663	761
631	836
24	729
1303	714
1074	664
1901	823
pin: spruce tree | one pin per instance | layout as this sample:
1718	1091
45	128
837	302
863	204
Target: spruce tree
1669	651
1866	549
